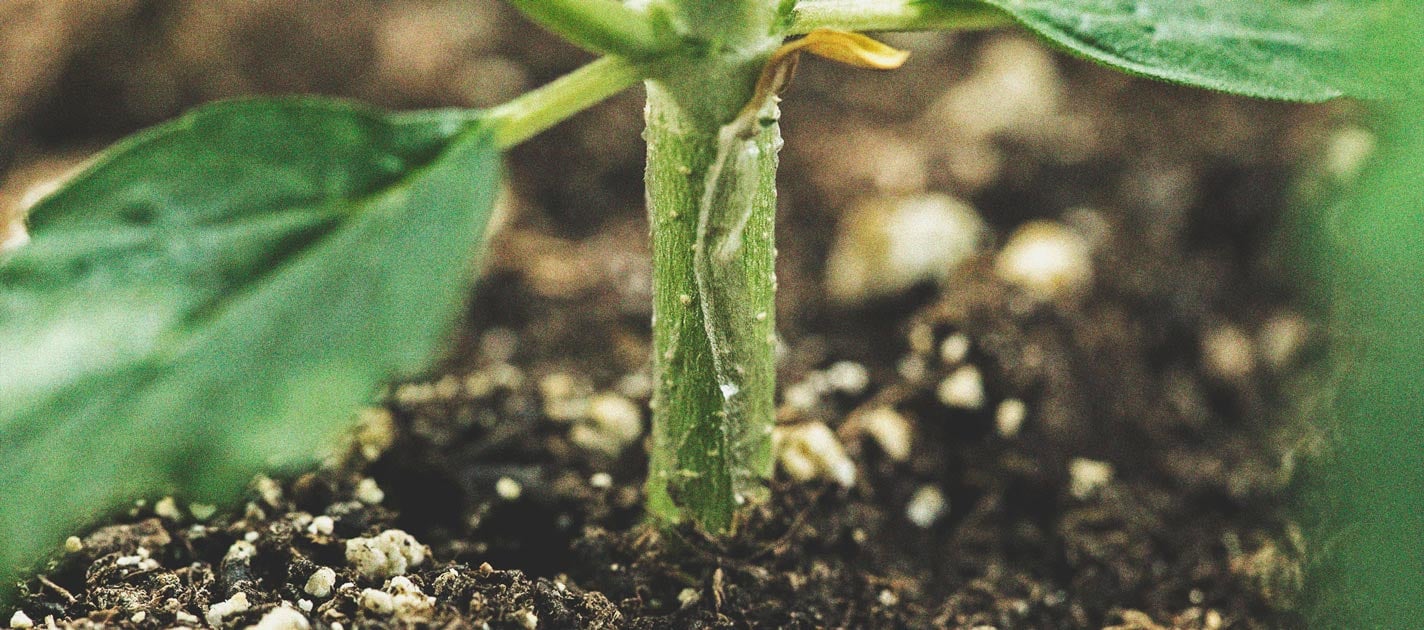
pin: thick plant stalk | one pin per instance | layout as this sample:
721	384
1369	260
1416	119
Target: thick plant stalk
711	179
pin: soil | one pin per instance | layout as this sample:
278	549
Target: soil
1127	463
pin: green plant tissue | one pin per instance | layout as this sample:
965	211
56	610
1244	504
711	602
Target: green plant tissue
216	296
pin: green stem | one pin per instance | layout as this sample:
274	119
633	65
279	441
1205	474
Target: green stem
603	26
711	181
537	110
895	15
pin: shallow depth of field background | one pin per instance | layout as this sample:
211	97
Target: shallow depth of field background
995	120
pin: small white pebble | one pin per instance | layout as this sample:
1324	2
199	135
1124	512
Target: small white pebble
617	420
186	618
138	617
688	597
1228	352
377	601
912	368
240	551
320	583
885	245
20	620
251	536
565	397
962	389
527	619
388	554
508	489
926	506
282	617
635	385
447	388
322	526
305	605
811	450
1281	339
1009	417
601	480
336	625
236	604
954	349
1087	476
73	544
848	377
1047	260
168	508
369	493
1347	151
802	395
888	598
890	430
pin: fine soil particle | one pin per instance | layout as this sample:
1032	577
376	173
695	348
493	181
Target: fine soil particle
1106	443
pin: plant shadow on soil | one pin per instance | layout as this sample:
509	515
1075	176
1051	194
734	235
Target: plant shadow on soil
1143	486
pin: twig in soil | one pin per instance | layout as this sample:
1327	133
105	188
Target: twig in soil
717	590
63	592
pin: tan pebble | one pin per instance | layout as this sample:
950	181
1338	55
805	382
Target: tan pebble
368	492
811	450
1087	476
1009	417
508	489
617	417
890	430
954	349
885	245
847	377
1047	260
601	480
926	506
962	389
1228	353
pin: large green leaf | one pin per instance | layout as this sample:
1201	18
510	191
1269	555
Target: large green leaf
1290	49
216	296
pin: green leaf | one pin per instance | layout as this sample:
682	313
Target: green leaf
218	295
1306	50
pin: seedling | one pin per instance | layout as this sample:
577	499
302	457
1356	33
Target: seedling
216	296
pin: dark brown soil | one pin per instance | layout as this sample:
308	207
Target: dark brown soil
1167	385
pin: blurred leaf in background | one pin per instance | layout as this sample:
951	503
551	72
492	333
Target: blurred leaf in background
1365	498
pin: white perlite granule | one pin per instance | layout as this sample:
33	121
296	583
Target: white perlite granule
282	618
20	620
236	604
386	555
320	583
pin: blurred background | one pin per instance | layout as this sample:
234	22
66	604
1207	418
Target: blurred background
1118	257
